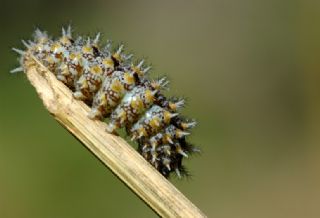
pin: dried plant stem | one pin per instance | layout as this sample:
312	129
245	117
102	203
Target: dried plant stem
112	150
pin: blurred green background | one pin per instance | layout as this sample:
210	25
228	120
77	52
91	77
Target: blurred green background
250	70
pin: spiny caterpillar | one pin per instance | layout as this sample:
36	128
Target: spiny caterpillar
115	88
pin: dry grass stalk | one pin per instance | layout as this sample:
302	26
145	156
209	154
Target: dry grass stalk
112	150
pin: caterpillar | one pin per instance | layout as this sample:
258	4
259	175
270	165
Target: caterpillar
118	89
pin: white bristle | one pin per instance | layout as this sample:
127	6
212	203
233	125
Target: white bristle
16	70
96	40
182	153
146	69
178	173
69	31
120	49
140	63
192	124
63	32
19	51
25	44
180	103
127	57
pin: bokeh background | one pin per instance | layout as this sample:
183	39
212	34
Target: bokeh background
250	70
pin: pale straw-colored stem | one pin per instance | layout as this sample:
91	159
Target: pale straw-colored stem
113	151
